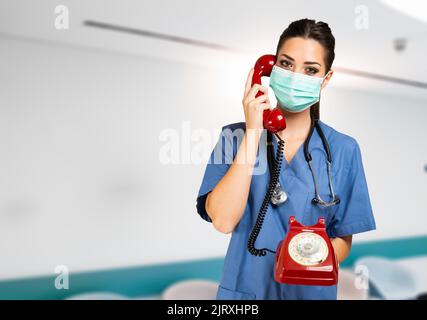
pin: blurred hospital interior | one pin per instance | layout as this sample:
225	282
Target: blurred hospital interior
91	90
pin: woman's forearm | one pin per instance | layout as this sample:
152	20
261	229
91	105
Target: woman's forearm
226	203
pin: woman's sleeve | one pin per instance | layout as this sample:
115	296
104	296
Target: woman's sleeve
354	213
219	162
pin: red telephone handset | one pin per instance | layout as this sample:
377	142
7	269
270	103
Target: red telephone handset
273	120
306	256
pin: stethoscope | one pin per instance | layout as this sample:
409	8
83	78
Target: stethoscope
279	196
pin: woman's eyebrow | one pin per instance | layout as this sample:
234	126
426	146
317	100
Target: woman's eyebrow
312	62
306	62
290	58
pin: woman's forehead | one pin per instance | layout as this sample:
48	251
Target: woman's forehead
301	50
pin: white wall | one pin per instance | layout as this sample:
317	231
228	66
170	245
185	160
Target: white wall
80	179
392	135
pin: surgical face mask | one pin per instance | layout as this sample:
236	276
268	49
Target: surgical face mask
294	91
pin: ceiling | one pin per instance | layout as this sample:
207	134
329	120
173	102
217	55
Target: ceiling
246	28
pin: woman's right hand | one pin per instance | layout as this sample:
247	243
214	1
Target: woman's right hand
254	107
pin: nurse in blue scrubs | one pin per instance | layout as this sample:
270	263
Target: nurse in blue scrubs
237	176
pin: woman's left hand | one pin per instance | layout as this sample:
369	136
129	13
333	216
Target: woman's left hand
342	246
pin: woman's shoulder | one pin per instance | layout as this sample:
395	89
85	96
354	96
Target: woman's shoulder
235	126
234	130
339	139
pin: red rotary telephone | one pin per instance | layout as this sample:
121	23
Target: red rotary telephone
306	256
273	120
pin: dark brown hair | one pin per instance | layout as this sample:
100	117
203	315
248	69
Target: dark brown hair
319	31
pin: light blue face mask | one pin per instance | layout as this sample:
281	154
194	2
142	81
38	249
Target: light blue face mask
294	91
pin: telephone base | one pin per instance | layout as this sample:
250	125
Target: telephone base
325	280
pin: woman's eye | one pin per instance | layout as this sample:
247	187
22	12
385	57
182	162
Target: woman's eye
286	64
311	71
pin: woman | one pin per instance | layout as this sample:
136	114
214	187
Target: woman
230	198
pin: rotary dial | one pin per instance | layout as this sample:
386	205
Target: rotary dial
308	249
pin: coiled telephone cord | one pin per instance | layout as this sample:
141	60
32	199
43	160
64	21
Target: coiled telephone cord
274	178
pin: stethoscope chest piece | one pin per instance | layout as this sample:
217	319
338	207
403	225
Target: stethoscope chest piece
279	196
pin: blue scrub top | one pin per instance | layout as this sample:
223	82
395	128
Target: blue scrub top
251	277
